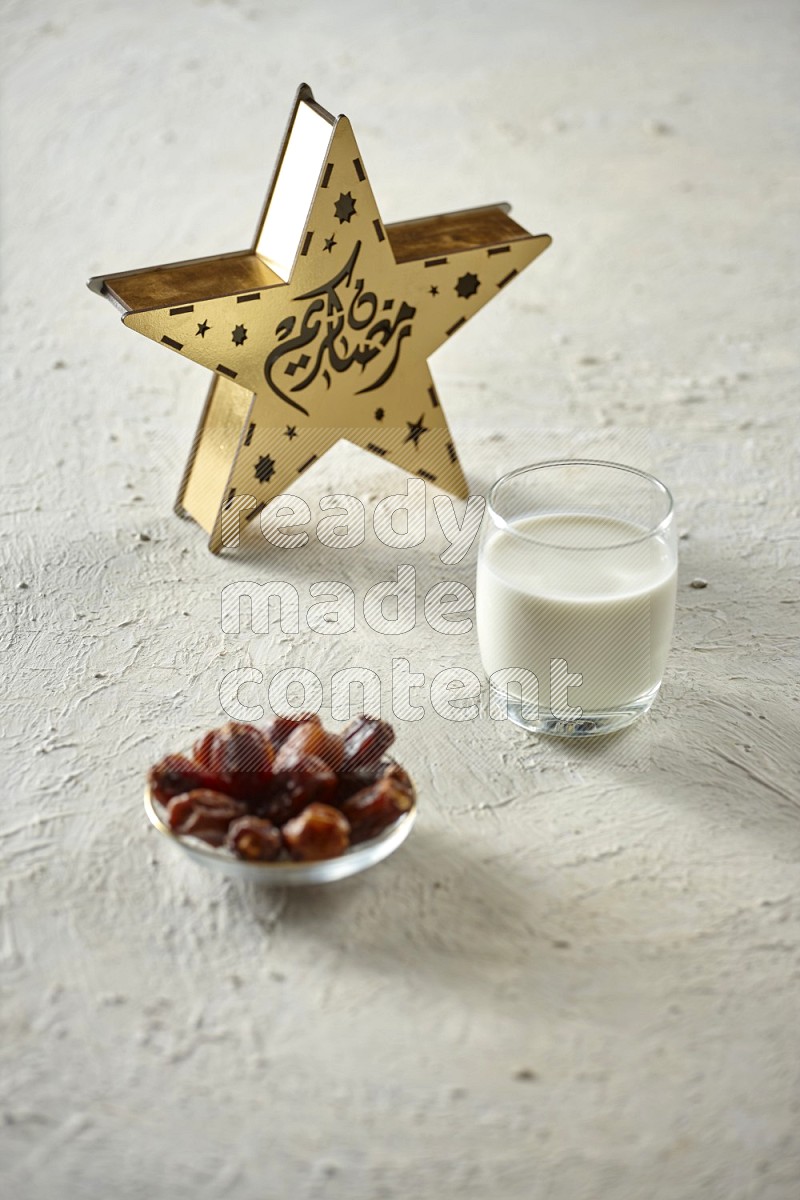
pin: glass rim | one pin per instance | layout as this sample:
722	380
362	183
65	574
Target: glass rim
579	462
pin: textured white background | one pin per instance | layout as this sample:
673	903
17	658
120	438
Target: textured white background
579	978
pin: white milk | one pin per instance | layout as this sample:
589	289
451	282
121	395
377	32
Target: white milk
607	610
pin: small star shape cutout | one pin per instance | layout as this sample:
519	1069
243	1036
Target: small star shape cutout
416	430
345	208
202	329
290	432
239	335
329	244
265	468
467	285
434	290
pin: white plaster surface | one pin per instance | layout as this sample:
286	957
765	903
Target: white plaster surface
579	978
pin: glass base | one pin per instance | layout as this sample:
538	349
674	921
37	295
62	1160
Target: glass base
589	724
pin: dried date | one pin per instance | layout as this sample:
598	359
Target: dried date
400	777
310	740
365	777
366	740
299	780
374	809
279	728
204	814
254	839
318	832
174	775
238	758
347	784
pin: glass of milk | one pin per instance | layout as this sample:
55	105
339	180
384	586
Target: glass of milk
576	595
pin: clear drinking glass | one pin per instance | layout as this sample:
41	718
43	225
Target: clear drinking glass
575	601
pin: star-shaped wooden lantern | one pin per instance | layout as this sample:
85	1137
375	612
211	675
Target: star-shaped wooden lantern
323	329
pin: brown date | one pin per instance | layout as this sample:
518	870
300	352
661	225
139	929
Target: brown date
279	728
204	814
400	777
238	758
173	775
364	777
348	783
304	780
366	740
376	808
254	839
309	739
318	832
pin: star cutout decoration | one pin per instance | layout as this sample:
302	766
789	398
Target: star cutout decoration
345	208
416	430
265	469
333	335
467	285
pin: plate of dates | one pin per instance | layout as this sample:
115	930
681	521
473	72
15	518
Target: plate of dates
288	804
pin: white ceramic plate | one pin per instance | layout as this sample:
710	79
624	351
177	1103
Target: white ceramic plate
285	874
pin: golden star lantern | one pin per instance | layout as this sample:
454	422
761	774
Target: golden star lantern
323	329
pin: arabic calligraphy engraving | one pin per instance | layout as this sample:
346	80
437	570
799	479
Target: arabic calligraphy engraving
339	329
